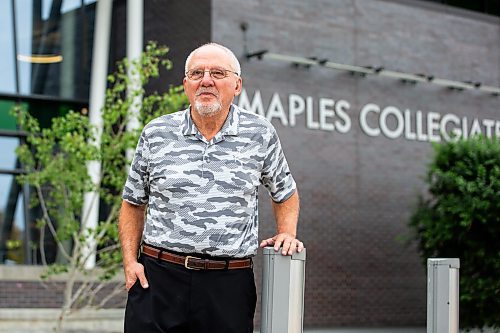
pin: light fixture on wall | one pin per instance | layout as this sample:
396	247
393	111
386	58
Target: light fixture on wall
257	54
40	58
407	78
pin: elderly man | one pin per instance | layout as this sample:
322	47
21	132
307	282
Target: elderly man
191	197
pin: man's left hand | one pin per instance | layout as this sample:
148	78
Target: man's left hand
289	243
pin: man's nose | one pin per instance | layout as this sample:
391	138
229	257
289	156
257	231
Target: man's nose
207	80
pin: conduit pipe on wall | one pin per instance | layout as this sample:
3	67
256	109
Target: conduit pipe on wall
98	81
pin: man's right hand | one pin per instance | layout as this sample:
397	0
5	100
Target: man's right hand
133	272
130	226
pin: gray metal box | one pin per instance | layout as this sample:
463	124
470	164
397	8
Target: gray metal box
442	295
283	279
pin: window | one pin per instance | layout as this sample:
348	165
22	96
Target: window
47	47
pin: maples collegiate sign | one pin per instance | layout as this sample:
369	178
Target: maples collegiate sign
326	114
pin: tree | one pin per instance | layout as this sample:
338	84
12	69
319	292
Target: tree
461	219
55	160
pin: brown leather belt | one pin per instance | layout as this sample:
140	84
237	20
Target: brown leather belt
191	262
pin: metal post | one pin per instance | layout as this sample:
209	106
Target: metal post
283	279
442	295
98	81
135	29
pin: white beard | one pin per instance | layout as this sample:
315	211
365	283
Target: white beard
207	110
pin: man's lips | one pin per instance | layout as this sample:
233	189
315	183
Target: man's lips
206	93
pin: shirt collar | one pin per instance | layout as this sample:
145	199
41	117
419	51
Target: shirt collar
188	127
230	126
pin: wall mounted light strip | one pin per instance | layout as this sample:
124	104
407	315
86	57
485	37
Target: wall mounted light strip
349	68
40	58
404	76
292	59
452	84
369	70
493	90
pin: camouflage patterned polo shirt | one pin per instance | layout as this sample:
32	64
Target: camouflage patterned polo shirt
202	195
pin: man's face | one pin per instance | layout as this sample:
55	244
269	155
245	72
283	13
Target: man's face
208	96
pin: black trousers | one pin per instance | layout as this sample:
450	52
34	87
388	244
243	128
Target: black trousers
180	300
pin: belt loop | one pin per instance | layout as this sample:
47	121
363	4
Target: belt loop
205	264
141	248
158	257
226	267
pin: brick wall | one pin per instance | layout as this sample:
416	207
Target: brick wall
22	287
357	192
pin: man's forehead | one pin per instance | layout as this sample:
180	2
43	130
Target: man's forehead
210	54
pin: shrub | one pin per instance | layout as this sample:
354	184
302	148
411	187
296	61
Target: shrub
461	219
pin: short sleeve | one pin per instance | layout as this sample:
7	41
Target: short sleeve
136	189
276	176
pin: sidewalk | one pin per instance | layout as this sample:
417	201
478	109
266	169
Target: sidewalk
368	330
111	321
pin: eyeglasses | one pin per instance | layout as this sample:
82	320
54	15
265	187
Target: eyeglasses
215	73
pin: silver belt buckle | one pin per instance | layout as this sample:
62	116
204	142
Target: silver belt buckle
186	263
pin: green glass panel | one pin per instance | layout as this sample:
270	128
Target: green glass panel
7	121
44	111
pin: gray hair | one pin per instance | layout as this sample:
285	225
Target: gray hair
236	63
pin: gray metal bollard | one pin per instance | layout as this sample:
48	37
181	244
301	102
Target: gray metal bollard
283	279
442	295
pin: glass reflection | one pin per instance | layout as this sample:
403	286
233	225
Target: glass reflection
45	53
8	78
12	226
8	155
54	44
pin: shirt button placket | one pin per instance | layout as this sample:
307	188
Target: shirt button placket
206	157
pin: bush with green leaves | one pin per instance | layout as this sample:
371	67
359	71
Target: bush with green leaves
55	160
461	219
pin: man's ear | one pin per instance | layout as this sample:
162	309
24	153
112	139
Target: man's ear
238	87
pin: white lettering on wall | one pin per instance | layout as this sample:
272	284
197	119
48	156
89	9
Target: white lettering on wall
432	126
475	129
488	124
327	114
276	110
326	111
421	136
343	125
364	123
443	127
255	107
310	123
409	135
388	132
464	128
296	106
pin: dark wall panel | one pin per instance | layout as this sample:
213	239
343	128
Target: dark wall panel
180	25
